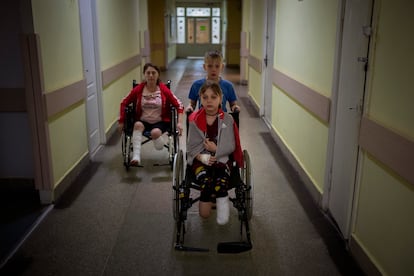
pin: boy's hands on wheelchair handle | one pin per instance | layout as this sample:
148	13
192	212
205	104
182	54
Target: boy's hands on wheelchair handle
189	108
235	108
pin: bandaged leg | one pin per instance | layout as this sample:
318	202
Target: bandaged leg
136	146
223	210
159	143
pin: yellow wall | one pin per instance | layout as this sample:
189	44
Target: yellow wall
246	44
58	25
384	223
306	138
119	39
118	31
305	36
61	52
233	32
156	25
391	98
114	93
60	42
69	141
256	50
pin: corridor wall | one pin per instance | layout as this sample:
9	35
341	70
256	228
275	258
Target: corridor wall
119	28
305	57
58	31
384	206
59	44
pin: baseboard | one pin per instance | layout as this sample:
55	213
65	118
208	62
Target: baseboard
70	178
315	194
111	132
364	261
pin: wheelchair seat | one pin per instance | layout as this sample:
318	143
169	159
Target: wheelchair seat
240	194
172	133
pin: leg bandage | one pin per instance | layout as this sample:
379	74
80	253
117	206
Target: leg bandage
136	145
223	210
159	143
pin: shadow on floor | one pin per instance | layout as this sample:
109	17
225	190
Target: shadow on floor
326	229
19	209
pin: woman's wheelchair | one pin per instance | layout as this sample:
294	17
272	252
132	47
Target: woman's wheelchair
173	135
184	181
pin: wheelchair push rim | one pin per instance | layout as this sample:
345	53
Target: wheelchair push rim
246	177
178	177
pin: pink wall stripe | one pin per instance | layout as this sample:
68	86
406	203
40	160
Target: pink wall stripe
255	63
58	100
392	149
316	103
114	72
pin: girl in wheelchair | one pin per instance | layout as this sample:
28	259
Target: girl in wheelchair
213	138
153	101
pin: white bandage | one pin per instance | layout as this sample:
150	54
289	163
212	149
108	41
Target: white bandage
223	210
204	158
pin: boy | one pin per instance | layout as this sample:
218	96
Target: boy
213	65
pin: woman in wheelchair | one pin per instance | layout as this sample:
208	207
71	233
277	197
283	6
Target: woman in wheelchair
153	101
213	138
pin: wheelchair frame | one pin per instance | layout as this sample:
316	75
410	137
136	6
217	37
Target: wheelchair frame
127	149
240	181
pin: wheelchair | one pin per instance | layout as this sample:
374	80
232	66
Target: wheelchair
173	135
184	181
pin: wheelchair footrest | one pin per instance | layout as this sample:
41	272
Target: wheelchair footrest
180	247
159	165
233	247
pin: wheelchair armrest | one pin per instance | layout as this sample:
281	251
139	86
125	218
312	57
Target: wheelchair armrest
129	118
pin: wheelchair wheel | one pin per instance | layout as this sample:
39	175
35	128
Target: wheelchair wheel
172	148
173	142
178	179
126	150
246	177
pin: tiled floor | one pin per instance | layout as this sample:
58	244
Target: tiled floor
113	222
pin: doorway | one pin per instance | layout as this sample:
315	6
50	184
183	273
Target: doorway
269	45
343	140
93	101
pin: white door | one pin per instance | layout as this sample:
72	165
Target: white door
352	75
268	60
92	99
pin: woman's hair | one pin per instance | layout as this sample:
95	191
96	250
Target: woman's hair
214	86
147	65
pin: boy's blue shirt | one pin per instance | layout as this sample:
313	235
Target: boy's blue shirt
229	95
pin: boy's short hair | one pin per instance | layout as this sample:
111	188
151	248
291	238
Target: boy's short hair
214	54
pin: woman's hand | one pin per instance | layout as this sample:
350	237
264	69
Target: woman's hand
120	127
179	128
